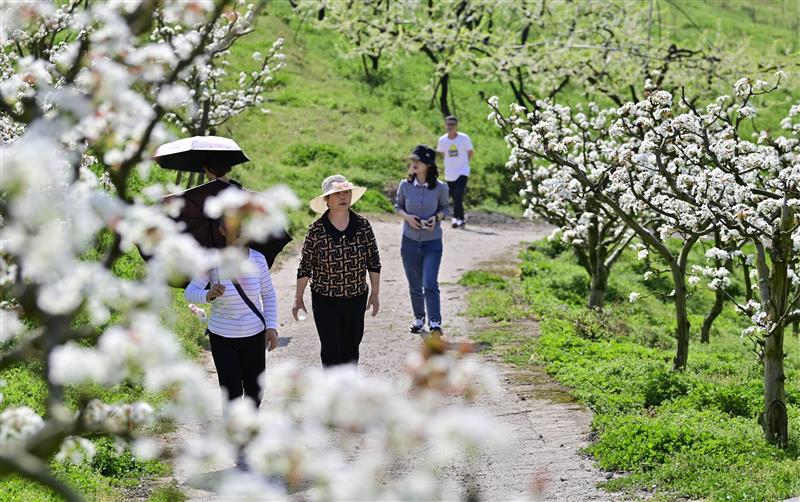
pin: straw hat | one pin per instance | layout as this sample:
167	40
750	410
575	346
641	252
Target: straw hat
331	185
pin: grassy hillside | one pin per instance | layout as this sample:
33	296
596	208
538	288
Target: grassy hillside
325	118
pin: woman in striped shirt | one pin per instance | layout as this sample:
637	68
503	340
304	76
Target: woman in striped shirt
238	334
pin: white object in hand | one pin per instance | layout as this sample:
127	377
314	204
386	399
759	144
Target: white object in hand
199	312
301	315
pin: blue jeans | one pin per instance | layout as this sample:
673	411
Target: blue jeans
421	261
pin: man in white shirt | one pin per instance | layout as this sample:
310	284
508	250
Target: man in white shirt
456	148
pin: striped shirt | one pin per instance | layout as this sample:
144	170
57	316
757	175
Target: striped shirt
230	315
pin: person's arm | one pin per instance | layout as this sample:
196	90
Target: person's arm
443	206
196	291
470	149
400	207
374	269
375	292
299	291
269	301
304	271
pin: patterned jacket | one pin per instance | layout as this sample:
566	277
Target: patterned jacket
337	261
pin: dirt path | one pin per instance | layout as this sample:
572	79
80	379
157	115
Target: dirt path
549	428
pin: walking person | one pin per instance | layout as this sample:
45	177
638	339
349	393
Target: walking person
422	201
339	252
457	151
243	323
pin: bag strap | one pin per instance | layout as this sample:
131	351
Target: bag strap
249	302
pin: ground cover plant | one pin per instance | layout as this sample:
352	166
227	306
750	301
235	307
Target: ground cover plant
689	434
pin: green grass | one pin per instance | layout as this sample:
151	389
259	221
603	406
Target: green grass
106	478
170	493
691	434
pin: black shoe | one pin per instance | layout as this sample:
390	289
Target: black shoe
416	326
241	462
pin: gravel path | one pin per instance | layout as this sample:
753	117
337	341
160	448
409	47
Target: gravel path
549	428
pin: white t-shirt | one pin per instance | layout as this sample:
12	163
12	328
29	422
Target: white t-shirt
456	160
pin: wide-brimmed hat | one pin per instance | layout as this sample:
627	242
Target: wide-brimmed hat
331	185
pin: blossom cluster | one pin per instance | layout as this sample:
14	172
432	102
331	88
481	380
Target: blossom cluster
342	435
664	164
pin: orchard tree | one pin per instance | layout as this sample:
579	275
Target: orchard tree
698	173
207	100
597	236
370	28
589	151
94	101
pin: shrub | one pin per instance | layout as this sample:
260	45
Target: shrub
303	154
664	385
475	278
111	462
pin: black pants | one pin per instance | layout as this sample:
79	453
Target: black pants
340	325
458	189
239	363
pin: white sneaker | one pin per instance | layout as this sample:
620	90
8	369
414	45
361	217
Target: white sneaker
455	223
416	326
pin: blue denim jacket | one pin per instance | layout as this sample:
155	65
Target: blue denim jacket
424	202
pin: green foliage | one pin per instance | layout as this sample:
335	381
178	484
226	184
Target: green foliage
304	154
82	478
170	493
121	465
104	479
691	434
475	278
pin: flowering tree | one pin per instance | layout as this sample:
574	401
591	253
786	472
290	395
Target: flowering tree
697	174
598	237
370	28
593	156
79	113
536	47
447	33
750	189
207	99
207	104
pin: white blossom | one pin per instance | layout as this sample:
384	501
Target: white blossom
76	450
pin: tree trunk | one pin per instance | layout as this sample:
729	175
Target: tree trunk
774	420
367	75
748	286
597	265
681	310
681	320
719	298
716	310
444	92
599	286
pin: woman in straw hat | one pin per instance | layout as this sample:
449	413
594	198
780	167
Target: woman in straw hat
339	251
